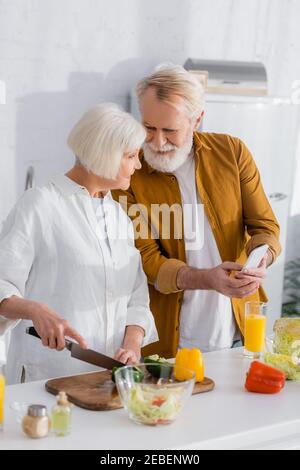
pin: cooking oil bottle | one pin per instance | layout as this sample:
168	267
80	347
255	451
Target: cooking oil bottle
61	415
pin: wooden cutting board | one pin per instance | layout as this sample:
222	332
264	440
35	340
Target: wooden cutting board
96	390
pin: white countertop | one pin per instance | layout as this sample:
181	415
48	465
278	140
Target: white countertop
226	418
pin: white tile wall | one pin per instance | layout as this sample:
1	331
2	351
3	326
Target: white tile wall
58	57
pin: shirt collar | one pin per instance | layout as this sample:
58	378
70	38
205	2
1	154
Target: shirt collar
199	142
68	187
197	146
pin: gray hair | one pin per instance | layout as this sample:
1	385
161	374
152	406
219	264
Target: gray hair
173	80
101	137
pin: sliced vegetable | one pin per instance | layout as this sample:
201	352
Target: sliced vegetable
137	374
156	371
189	359
262	378
114	370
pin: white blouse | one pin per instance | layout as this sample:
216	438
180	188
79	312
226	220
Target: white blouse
55	250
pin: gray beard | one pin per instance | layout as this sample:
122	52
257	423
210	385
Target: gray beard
168	163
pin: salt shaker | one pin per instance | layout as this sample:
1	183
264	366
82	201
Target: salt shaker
36	423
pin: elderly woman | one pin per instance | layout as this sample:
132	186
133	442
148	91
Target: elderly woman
68	264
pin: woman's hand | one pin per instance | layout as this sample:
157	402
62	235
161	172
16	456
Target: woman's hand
130	353
52	328
128	356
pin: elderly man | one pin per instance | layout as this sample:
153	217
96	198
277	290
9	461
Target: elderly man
197	289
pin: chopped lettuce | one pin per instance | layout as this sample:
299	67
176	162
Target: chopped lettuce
287	345
151	406
285	363
287	337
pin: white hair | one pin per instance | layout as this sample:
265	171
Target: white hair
173	80
101	137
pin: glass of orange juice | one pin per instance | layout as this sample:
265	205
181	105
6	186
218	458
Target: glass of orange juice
2	390
255	329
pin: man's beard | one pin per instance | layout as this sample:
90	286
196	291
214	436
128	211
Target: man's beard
166	162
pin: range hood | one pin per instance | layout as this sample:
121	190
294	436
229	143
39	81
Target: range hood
218	76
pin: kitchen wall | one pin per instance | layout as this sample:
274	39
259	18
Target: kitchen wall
57	57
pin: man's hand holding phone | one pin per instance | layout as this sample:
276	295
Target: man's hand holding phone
255	267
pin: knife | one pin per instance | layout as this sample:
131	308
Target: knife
85	355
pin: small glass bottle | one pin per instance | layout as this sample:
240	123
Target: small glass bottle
36	423
61	415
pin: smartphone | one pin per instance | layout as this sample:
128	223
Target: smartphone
255	257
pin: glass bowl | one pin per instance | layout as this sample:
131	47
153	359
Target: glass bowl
151	394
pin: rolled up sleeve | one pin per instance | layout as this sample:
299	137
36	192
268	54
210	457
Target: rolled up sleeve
166	282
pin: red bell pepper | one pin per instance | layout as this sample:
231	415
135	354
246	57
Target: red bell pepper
262	378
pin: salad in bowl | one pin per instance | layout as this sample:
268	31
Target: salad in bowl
153	396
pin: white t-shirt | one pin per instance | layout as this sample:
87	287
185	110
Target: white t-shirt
206	318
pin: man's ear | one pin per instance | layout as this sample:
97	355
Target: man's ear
198	121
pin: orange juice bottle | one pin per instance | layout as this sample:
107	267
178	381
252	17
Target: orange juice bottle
2	389
255	331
